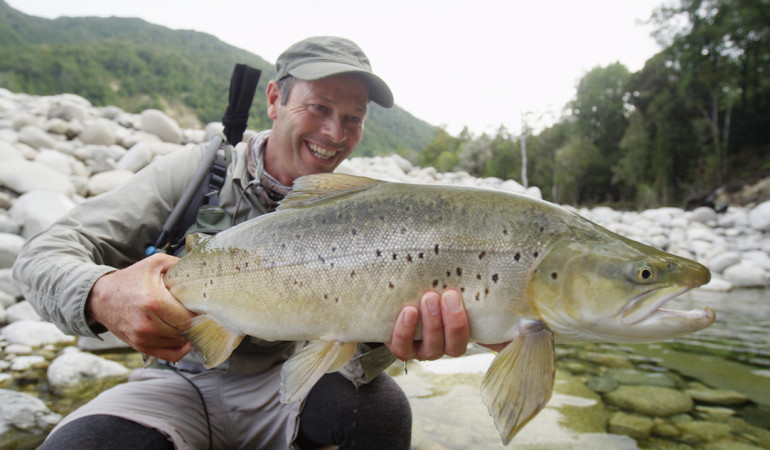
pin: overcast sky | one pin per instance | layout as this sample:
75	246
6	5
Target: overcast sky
477	63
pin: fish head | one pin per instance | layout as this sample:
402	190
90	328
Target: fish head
602	287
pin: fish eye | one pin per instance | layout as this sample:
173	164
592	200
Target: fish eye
644	273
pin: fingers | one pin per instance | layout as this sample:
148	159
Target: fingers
456	329
402	342
445	328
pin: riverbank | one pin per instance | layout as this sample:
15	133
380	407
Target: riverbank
56	151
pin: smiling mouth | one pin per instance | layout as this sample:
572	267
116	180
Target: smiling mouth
320	152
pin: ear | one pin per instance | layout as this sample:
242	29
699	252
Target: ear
273	95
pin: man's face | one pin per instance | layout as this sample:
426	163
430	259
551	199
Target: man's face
317	128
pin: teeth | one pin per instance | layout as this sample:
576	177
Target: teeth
321	152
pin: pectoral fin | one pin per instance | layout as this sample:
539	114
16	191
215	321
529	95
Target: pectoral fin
519	382
213	341
301	372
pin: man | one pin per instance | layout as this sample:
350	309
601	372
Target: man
87	273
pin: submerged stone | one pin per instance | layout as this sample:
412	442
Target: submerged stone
650	400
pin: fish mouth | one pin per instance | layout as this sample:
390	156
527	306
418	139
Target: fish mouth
649	302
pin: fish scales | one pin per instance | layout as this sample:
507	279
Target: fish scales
356	262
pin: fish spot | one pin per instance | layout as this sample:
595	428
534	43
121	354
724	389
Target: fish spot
542	228
478	276
459	271
403	230
336	299
283	246
408	257
495	277
323	220
535	254
247	265
421	255
297	236
462	289
203	263
334	249
353	232
517	256
554	275
448	273
204	295
481	255
379	253
486	292
478	296
505	230
323	261
237	268
390	285
435	283
326	296
443	286
435	249
352	274
395	255
382	217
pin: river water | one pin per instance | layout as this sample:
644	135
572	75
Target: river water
733	355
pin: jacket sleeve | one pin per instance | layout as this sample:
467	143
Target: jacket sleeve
57	268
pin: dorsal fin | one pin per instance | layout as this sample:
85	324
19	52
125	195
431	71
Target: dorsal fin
313	189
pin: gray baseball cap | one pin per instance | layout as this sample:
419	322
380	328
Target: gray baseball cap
323	56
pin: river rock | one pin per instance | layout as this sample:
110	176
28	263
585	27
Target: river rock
9	285
24	419
723	260
161	125
28	362
703	215
10	246
23	176
21	311
135	158
8	152
717	396
106	181
98	132
38	209
697	432
636	377
73	369
650	400
34	333
635	426
759	217
747	274
36	137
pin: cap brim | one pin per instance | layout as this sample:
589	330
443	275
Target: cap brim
379	92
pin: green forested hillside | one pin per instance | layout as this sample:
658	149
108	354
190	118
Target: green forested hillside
136	65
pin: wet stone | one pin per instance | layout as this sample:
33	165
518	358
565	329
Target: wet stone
714	413
606	359
650	400
635	377
717	396
637	427
702	431
664	428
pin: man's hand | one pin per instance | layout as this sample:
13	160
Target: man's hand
445	329
135	305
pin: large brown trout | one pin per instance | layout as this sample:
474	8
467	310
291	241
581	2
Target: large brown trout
343	255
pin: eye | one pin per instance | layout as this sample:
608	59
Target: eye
644	273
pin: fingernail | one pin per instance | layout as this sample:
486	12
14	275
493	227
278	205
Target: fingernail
453	301
434	305
409	316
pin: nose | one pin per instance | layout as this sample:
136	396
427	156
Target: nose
334	129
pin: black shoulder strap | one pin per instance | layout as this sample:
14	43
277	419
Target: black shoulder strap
207	182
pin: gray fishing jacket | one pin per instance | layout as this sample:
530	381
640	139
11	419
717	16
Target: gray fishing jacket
57	268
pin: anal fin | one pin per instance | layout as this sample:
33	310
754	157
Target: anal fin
301	372
213	341
520	380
